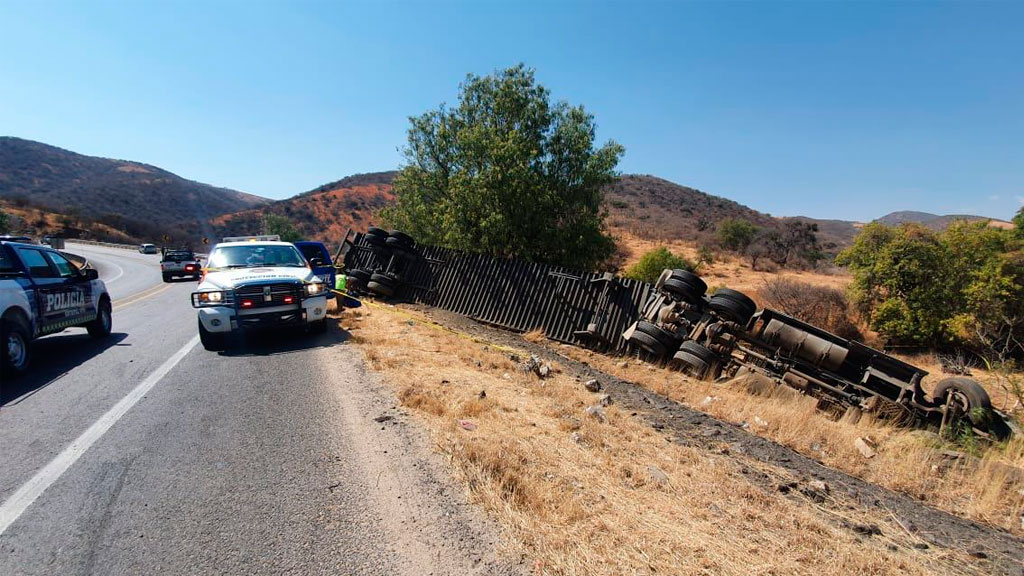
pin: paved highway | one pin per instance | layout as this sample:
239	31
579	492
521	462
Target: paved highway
145	454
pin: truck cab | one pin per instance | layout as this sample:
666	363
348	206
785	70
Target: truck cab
181	263
319	259
42	293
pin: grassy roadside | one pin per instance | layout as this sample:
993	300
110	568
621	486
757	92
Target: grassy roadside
583	494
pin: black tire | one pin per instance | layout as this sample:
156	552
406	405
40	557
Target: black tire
402	237
690	278
682	290
212	341
362	276
398	244
167	277
379	232
375	241
15	348
648	343
978	404
100	327
697	359
380	289
666	338
732	305
384	280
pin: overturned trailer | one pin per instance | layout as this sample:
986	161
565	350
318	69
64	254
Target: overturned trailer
718	335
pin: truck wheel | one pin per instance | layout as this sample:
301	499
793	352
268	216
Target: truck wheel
401	238
696	360
648	343
380	289
14	348
667	339
974	401
100	327
212	341
732	305
374	231
167	277
682	290
690	278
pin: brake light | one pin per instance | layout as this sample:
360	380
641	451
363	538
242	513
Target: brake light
246	303
190	268
289	299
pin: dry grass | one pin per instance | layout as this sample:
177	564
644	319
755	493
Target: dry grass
988	489
727	271
577	495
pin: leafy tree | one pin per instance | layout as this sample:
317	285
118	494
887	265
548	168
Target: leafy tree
800	243
735	233
5	222
651	264
1018	223
283	227
507	173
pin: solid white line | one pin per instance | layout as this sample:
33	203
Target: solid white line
27	494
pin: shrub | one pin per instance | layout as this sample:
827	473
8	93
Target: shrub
735	233
820	306
652	263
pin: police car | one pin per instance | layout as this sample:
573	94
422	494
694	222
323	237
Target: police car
41	293
257	282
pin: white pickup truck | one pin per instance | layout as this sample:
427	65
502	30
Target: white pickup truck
41	293
180	263
258	282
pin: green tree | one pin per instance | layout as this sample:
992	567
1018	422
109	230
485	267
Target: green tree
283	227
735	233
5	222
650	265
1018	223
507	173
898	281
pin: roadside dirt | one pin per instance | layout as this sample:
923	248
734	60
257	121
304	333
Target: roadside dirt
866	510
431	527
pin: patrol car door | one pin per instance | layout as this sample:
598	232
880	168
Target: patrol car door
51	303
77	289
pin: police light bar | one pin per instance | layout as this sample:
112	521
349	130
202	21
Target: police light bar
262	238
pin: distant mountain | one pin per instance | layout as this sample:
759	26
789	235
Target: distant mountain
324	213
935	221
92	187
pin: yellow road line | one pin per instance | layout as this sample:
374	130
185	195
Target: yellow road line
123	302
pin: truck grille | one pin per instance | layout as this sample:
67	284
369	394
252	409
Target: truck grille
259	293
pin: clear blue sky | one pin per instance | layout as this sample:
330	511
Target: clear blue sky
834	110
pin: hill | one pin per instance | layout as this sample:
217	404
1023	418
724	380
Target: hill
70	183
324	213
935	221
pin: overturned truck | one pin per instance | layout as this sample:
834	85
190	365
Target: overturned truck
721	334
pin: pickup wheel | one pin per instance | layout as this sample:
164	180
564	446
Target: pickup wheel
212	341
14	348
100	327
167	277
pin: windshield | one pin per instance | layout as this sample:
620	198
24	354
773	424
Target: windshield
256	255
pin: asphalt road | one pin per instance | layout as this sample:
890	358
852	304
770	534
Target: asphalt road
144	454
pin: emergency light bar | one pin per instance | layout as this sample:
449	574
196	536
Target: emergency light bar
263	238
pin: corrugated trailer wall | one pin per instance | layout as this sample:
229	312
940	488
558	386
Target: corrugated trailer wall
570	306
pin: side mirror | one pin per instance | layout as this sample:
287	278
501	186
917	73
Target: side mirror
91	274
316	262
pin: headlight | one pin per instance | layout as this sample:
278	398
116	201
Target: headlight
314	288
211	298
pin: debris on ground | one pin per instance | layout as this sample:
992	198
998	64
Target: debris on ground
866	447
596	412
383	418
605	400
468	425
592	386
658	476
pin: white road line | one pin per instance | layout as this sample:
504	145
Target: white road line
27	494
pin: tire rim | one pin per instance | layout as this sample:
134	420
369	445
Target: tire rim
16	350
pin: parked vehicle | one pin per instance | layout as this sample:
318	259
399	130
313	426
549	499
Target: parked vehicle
180	263
720	334
41	293
148	249
254	283
319	259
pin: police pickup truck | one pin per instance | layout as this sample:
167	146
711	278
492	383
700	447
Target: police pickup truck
41	293
179	263
257	282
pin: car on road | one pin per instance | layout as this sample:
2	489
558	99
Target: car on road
148	249
42	293
254	283
180	264
319	259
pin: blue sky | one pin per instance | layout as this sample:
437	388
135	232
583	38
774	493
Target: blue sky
828	109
